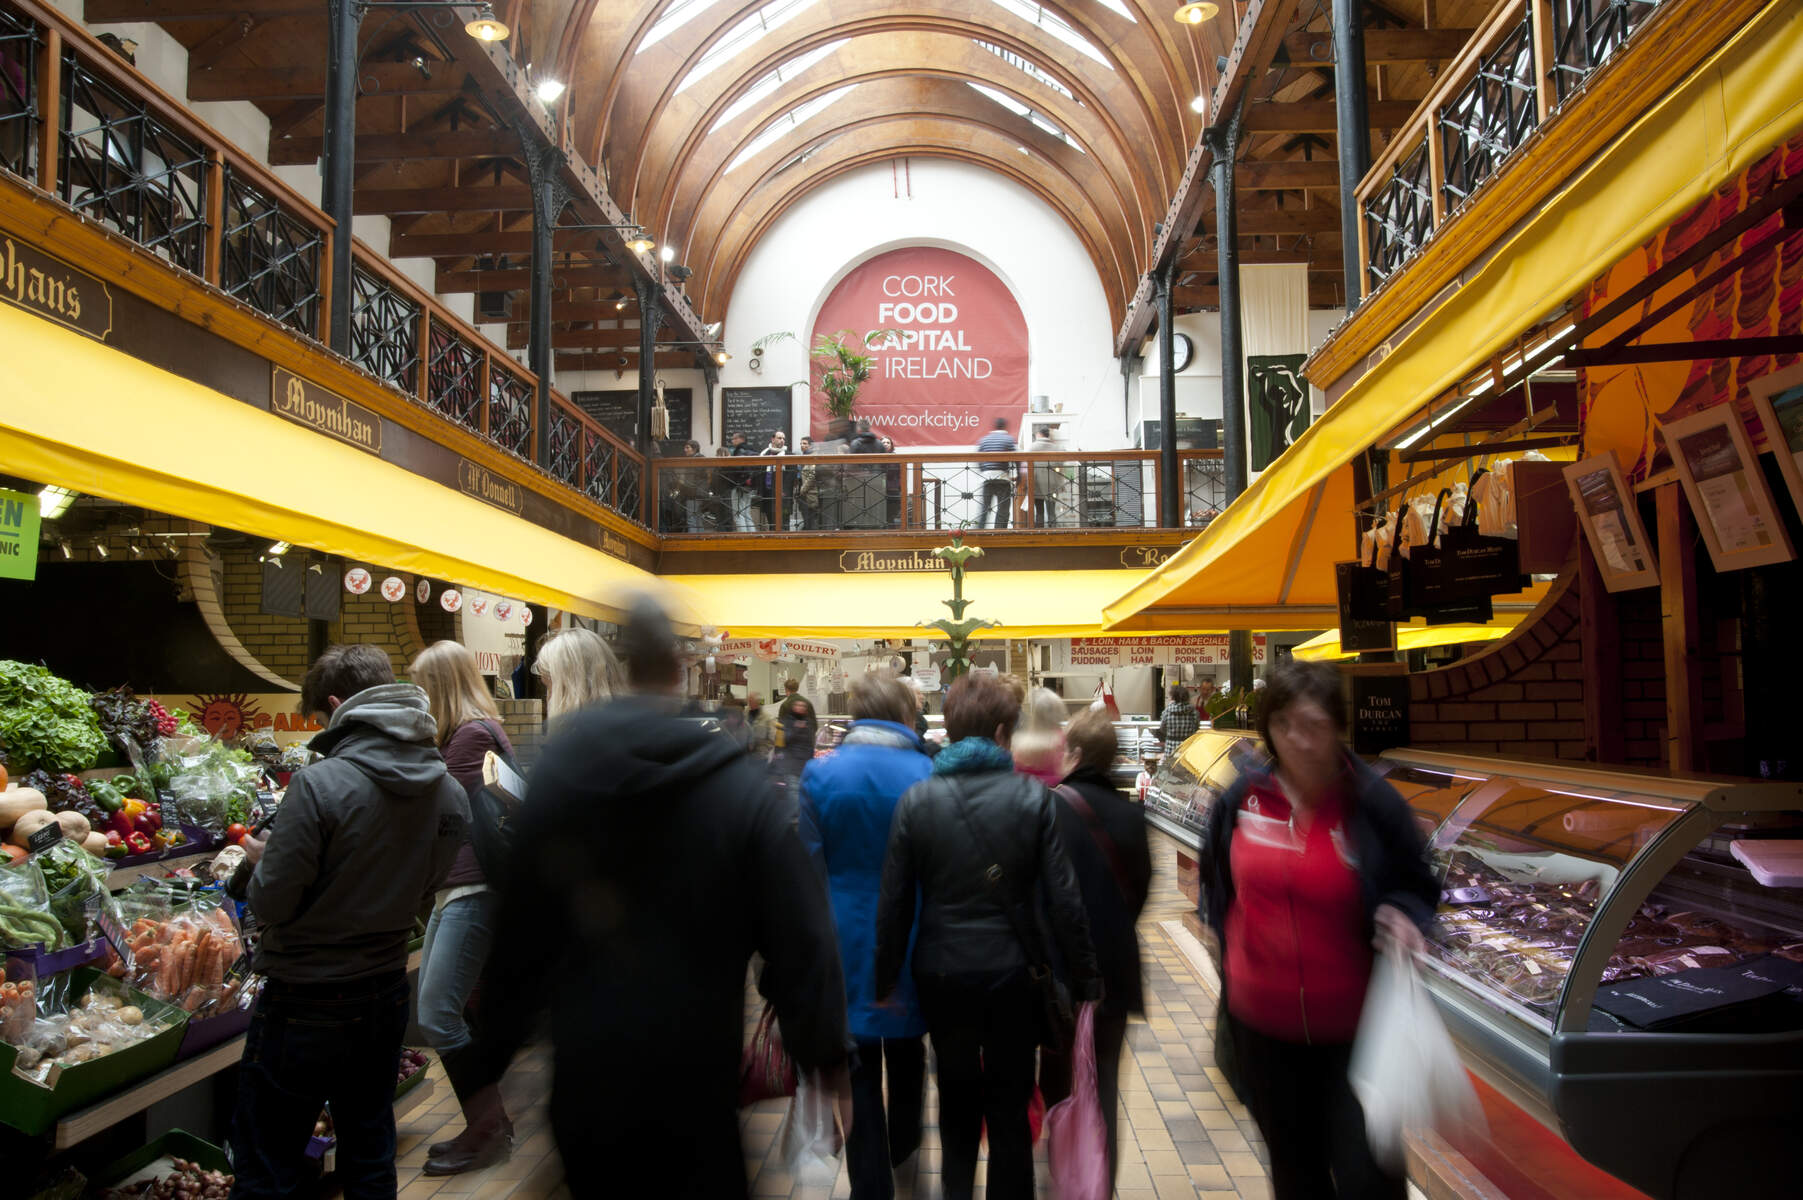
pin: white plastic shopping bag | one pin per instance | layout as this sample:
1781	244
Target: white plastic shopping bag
811	1139
1405	1070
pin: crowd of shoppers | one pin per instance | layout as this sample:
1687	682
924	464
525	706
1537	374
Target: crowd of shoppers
974	896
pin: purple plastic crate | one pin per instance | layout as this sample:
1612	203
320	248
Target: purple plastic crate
204	1033
45	963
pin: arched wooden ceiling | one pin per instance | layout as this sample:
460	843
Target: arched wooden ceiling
897	74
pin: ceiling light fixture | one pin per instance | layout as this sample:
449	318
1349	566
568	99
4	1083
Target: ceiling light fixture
620	303
549	90
65	548
721	357
54	501
1199	105
1196	12
100	548
278	549
484	26
667	254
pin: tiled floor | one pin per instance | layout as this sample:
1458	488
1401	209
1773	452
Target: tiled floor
1179	1135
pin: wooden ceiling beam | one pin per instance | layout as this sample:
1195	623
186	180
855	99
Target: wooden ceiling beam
1317	116
1321	294
446	199
580	360
565	311
309	83
515	279
1287	176
487	241
1382	46
108	12
410	147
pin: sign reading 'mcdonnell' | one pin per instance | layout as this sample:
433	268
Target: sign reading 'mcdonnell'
957	359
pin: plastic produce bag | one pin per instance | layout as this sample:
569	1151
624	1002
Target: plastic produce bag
1076	1134
810	1138
178	947
1405	1070
25	918
75	881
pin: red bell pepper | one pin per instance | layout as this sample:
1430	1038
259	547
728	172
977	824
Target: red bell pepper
140	843
120	823
115	845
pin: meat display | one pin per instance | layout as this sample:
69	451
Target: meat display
1520	937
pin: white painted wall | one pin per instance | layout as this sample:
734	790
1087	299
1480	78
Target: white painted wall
961	207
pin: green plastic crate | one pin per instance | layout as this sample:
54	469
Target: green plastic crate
177	1143
33	1109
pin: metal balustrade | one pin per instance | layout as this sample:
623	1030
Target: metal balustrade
916	492
269	258
454	370
510	402
1526	59
385	325
19	45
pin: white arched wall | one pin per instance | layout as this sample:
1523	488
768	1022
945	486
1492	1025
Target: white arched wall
923	201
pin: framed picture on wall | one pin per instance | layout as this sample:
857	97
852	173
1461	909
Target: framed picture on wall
1612	525
1780	400
1727	489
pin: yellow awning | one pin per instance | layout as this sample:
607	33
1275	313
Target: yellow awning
85	416
1413	636
1034	604
1744	100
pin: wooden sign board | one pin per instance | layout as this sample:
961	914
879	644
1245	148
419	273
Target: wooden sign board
1611	519
1727	490
1779	398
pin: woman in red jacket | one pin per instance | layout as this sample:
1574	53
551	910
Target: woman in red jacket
1306	867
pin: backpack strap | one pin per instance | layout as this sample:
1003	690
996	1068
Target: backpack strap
1117	864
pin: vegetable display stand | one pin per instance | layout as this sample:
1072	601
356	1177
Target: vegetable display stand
154	1161
33	1108
42	963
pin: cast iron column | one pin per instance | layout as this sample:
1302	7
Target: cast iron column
338	157
650	294
1233	366
1354	133
1170	487
549	196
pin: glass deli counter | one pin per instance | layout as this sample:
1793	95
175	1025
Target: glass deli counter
1619	953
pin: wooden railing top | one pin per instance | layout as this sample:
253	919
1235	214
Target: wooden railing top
951	459
1454	76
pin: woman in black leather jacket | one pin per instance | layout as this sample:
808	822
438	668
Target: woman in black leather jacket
966	845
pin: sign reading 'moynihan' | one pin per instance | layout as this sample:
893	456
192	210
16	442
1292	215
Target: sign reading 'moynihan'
854	562
49	288
308	404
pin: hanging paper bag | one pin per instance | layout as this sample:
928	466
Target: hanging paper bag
1479	564
1364	590
1430	582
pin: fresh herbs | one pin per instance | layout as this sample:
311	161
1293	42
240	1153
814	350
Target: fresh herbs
46	721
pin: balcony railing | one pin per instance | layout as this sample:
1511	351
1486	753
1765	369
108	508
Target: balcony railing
1526	59
81	124
926	492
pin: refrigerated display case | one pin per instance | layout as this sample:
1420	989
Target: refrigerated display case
1619	953
1606	958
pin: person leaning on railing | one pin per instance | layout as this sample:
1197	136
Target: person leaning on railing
998	477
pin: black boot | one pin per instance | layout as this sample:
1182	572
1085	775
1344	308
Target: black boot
487	1137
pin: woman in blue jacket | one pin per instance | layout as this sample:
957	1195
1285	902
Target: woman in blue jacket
847	802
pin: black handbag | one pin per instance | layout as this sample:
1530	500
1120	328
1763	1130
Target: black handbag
1058	1022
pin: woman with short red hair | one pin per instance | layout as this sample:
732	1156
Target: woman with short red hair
971	846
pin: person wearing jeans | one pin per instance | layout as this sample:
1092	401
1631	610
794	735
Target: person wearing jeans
847	803
998	478
461	930
363	838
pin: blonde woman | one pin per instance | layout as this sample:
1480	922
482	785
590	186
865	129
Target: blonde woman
578	670
1038	745
462	926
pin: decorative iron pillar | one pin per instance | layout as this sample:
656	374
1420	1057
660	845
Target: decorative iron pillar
1233	363
338	158
1349	93
544	164
1170	486
651	314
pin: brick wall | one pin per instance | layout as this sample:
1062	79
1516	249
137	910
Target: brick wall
524	721
279	643
370	620
1523	697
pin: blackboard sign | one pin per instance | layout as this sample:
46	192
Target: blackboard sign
755	412
617	410
1380	712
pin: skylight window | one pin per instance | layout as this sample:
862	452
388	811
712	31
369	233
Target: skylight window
678	15
775	79
772	16
1021	110
781	127
1055	25
1020	64
1119	8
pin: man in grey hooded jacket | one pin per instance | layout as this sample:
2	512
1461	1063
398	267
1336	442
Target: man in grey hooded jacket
362	840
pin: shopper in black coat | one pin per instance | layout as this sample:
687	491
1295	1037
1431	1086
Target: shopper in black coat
1105	835
969	848
652	858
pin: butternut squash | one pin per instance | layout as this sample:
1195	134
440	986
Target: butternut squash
95	844
16	802
75	826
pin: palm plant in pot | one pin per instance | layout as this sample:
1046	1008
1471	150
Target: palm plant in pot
842	361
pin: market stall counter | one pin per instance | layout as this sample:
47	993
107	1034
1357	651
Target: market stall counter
1618	954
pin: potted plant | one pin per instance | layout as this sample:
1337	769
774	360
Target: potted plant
842	362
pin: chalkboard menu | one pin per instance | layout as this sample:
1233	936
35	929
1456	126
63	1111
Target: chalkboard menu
755	412
617	411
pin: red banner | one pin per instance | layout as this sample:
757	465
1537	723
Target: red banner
958	359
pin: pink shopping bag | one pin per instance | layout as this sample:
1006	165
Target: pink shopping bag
1076	1137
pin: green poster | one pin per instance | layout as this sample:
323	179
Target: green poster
18	535
1277	395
